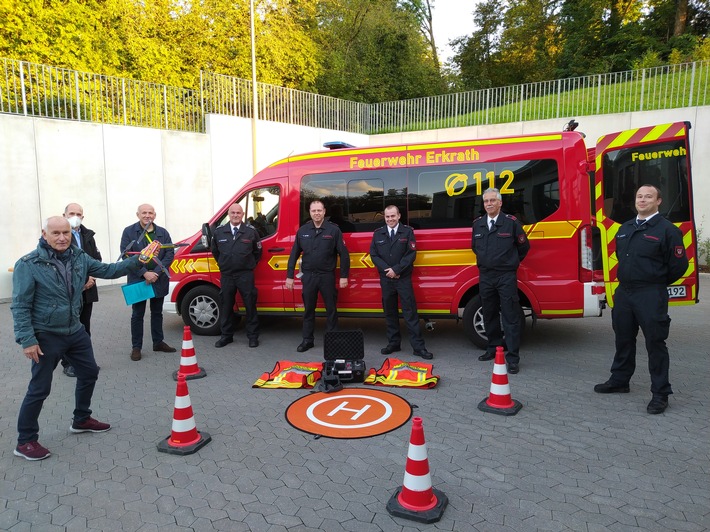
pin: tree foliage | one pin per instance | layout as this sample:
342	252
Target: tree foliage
365	50
373	50
520	41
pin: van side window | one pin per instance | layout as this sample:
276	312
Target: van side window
450	196
355	201
261	210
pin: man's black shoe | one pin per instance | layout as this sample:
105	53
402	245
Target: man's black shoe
426	355
253	342
657	405
69	371
223	341
389	349
305	346
608	387
164	348
487	356
513	368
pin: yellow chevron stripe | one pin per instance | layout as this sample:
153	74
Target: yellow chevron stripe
656	132
545	230
622	138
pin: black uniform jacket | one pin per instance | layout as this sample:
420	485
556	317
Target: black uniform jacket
651	254
320	248
398	254
237	252
166	255
502	249
88	244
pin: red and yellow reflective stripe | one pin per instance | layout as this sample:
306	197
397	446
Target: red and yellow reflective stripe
405	150
453	257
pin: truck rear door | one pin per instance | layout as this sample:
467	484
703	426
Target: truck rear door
656	155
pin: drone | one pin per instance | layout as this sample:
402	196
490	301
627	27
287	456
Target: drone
150	254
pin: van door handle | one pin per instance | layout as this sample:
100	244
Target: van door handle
275	250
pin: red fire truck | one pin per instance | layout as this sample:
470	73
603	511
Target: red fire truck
569	199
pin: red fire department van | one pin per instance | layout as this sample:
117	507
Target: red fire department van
570	201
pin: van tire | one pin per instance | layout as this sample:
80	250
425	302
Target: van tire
473	322
200	310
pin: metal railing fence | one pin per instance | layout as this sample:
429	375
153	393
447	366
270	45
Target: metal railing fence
39	90
657	88
45	91
233	96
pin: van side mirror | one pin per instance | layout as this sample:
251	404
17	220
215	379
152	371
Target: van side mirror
206	238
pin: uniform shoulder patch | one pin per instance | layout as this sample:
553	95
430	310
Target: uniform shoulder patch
679	251
412	245
522	238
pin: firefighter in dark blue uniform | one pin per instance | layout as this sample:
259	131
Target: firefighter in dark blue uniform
321	243
237	248
393	250
651	257
500	245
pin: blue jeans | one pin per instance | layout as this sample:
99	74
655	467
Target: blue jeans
77	350
156	322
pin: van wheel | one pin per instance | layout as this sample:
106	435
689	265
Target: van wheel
473	322
200	310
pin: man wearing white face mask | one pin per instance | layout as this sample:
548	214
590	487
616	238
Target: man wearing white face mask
83	238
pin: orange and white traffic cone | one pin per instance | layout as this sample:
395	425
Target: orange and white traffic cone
416	499
184	438
500	401
188	360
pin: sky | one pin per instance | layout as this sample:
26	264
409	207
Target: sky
451	19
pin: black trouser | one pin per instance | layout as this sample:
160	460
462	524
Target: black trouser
499	294
77	349
645	307
313	283
242	282
402	287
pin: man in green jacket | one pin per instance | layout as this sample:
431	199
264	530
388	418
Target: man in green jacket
46	305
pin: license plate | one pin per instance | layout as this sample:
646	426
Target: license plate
675	292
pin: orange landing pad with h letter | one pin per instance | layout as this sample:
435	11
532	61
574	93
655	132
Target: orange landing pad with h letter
349	413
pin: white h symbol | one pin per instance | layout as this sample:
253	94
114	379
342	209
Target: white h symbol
341	406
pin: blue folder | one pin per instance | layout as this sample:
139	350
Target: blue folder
137	292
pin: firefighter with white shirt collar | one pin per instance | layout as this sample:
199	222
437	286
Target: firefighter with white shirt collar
500	245
651	257
236	247
393	251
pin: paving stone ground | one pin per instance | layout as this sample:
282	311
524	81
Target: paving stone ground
569	460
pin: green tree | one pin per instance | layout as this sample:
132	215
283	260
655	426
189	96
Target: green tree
373	50
477	57
529	43
422	10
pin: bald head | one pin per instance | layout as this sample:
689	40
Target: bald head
146	215
73	209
